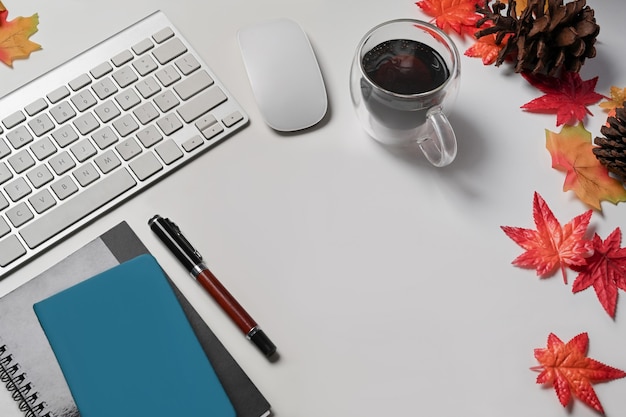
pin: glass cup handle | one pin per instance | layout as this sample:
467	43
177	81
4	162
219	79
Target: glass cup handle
439	140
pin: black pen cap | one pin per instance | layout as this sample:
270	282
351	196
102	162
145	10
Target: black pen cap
260	339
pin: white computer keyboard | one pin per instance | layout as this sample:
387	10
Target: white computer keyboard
101	127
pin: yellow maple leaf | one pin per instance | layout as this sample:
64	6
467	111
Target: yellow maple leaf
618	96
521	5
571	152
14	36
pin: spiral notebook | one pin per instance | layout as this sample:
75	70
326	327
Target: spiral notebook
28	365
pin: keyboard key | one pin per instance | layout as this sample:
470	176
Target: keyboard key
145	166
212	131
21	161
65	135
168	151
76	208
145	65
62	112
42	201
148	87
125	76
101	70
146	113
122	58
128	149
104	137
169	124
62	163
4	226
201	104
163	35
83	150
5	174
58	94
232	119
143	46
19	214
64	187
193	85
86	174
149	136
107	161
205	121
19	137
17	189
39	176
166	101
4	148
187	64
43	148
10	250
13	120
126	125
169	50
193	143
107	111
79	82
83	100
127	99
168	75
36	107
86	124
41	125
104	88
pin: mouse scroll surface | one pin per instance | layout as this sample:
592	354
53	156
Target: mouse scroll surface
284	74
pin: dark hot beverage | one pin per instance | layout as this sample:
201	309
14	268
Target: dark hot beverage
405	67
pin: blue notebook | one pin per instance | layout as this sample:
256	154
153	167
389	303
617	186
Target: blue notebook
126	348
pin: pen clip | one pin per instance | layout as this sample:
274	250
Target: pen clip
182	240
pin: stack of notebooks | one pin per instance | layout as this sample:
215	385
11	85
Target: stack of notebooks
107	333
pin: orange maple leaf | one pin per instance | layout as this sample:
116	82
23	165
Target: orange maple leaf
618	96
567	367
571	152
487	48
14	36
551	246
453	15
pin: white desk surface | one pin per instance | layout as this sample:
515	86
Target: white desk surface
386	283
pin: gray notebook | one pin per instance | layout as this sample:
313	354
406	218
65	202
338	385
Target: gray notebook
27	363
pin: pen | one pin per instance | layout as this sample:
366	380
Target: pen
171	236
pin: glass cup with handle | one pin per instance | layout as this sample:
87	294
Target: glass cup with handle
403	82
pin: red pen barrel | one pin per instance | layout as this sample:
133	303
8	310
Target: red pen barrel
236	312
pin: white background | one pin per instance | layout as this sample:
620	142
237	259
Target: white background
386	283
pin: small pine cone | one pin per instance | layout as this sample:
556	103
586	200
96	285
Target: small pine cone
611	149
545	39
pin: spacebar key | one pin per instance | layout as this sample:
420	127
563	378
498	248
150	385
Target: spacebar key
88	201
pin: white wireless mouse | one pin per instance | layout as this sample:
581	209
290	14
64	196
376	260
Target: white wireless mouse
284	74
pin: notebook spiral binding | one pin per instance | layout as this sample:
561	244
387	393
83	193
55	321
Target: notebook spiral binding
20	388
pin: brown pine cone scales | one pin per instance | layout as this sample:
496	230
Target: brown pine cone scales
547	38
611	149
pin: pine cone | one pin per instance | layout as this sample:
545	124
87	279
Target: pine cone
611	149
544	39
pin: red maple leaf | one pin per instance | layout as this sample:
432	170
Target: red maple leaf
605	270
567	96
567	367
453	15
551	246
